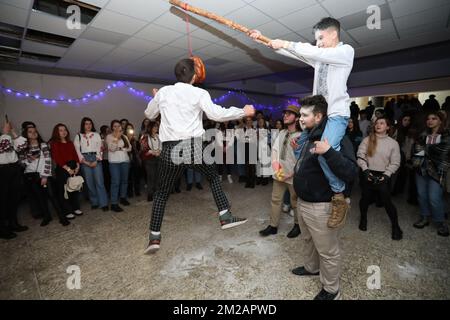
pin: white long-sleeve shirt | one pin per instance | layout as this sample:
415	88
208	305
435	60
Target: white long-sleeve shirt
332	68
9	148
181	107
117	152
89	142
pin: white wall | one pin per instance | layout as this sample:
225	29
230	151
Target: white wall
116	104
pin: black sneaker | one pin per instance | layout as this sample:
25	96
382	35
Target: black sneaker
325	295
64	222
150	198
422	223
124	202
363	225
19	228
116	208
227	220
189	187
199	186
153	244
94	207
302	272
268	231
7	235
442	229
105	208
295	231
45	222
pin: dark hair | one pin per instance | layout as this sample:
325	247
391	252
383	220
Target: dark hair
39	138
185	70
123	137
442	115
318	103
143	123
372	145
55	133
83	122
326	23
150	127
103	129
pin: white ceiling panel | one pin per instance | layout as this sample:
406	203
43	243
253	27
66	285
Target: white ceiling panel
97	3
281	8
140	45
147	10
437	16
158	34
112	21
37	62
365	36
121	56
42	48
196	43
218	7
13	15
174	22
400	8
85	52
23	4
171	52
273	29
420	29
52	24
249	17
341	8
304	18
214	50
95	34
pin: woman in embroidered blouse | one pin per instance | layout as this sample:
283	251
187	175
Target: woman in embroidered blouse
88	145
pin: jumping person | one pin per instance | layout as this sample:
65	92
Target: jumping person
333	62
181	107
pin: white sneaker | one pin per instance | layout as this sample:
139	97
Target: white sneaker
291	212
230	179
285	208
78	212
70	216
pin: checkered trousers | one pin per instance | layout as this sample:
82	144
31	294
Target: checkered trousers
175	157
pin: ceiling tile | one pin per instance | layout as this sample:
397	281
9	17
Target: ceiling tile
214	50
421	28
42	48
218	7
196	43
341	8
13	15
282	8
360	18
112	21
84	52
23	4
401	8
97	3
141	9
174	22
140	45
37	62
273	29
437	16
171	52
365	36
248	17
304	18
48	23
95	34
158	34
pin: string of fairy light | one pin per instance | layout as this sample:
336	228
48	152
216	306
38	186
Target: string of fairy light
92	96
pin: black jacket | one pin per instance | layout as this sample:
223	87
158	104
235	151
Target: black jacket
310	183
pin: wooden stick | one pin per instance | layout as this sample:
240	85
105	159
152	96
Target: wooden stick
215	17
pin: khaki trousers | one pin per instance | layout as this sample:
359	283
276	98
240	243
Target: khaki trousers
278	190
321	249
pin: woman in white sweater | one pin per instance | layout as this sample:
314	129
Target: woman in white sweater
88	145
119	164
379	158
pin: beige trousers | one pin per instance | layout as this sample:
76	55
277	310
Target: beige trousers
278	191
322	249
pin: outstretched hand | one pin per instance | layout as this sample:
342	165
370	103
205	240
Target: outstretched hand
255	34
249	110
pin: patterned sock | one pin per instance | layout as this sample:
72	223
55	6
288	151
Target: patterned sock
223	212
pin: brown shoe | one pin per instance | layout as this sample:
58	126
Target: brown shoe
339	209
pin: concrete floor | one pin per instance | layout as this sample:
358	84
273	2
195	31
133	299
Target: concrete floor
198	260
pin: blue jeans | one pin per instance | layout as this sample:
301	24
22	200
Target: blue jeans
431	198
119	180
190	173
334	132
94	181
